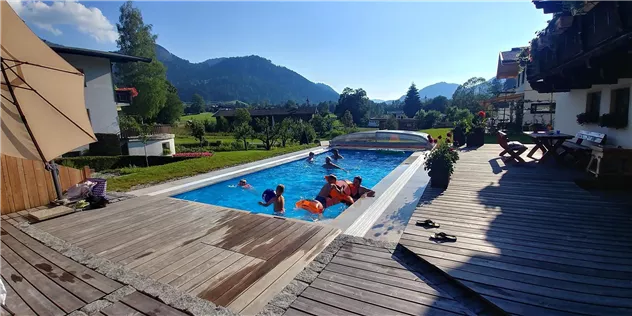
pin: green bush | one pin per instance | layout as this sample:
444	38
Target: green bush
336	133
100	163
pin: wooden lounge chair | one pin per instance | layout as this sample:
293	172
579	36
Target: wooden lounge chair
514	149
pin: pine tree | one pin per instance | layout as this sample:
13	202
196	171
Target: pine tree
136	39
412	103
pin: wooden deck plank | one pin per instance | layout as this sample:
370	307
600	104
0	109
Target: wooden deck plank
39	303
64	279
529	239
119	309
311	307
342	302
149	306
14	303
244	263
197	250
95	279
186	268
263	290
55	293
217	264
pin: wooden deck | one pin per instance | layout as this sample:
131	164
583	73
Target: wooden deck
232	258
41	281
529	240
368	280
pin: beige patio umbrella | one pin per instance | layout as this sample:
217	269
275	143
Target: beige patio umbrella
43	107
43	112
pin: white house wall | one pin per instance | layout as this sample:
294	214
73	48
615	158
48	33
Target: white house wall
99	92
532	95
571	103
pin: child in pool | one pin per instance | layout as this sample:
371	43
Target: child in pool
244	184
337	155
310	158
278	200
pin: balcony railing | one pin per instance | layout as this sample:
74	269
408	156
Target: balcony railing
588	36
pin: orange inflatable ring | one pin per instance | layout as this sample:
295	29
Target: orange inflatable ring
311	206
345	196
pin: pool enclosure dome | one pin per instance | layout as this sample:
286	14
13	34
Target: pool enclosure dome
389	139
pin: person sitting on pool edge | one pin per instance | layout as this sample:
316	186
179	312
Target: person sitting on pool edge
278	200
244	184
323	196
337	155
358	191
310	158
330	165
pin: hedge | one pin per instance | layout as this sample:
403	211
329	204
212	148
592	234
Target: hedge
106	145
100	163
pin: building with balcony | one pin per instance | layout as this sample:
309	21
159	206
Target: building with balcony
102	100
538	108
584	57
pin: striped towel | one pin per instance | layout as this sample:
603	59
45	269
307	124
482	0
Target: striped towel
100	187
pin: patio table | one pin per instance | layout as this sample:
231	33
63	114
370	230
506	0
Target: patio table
548	143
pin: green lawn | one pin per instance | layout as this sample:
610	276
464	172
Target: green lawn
198	117
152	175
436	132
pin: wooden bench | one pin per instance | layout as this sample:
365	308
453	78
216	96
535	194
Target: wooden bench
580	148
513	148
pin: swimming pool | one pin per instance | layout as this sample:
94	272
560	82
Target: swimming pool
301	180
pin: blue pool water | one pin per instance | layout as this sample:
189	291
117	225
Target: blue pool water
302	180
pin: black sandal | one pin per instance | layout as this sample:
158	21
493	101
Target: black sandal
428	223
443	237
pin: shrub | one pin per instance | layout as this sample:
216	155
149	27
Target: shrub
209	126
106	145
194	155
336	133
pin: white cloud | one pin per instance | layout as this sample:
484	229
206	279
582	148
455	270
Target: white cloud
88	20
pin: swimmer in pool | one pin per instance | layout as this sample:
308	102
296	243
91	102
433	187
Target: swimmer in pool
330	165
337	155
278	200
244	185
323	196
310	158
358	191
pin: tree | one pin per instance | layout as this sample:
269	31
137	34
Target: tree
438	103
391	123
197	104
354	101
320	124
243	132
136	39
470	94
495	87
197	130
347	119
242	115
173	109
427	119
290	104
412	103
285	130
265	132
323	108
222	124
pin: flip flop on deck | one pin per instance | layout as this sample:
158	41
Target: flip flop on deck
443	237
428	223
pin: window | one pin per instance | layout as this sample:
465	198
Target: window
123	97
593	101
620	102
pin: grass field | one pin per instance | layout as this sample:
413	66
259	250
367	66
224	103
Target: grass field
152	175
198	117
187	139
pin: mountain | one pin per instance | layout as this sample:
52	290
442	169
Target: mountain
434	90
249	79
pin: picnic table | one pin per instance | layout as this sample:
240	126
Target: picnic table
548	143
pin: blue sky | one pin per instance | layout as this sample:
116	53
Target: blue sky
379	46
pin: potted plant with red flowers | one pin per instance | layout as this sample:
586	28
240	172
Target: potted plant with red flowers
440	164
476	137
461	128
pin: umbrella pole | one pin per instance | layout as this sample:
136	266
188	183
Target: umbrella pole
54	171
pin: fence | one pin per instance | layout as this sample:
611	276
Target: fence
27	184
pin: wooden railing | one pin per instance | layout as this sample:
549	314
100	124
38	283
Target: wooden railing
27	184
